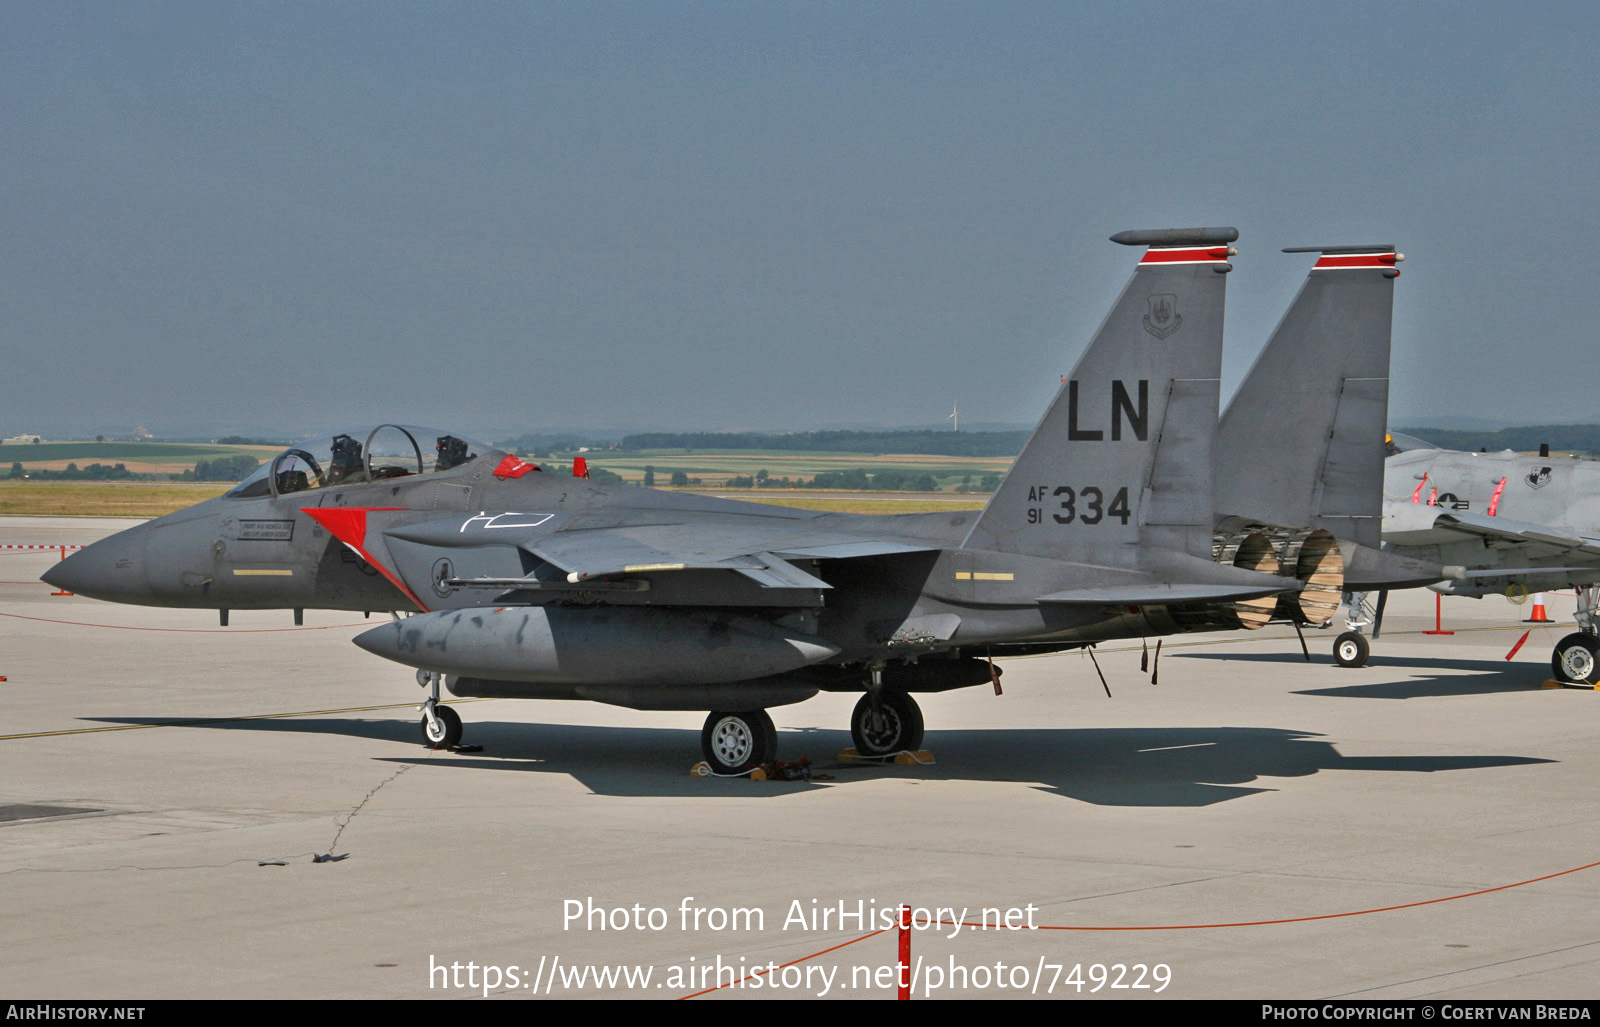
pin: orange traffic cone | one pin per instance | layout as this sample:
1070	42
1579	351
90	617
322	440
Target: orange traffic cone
1539	616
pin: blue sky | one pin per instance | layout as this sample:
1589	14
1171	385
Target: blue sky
498	217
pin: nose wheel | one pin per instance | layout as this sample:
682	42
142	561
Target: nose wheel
441	726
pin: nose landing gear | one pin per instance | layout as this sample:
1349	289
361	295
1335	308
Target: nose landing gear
441	726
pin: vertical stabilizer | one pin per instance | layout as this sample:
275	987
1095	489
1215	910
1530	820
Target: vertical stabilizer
1122	458
1301	443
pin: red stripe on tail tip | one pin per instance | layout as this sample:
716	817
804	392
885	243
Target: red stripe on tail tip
1185	255
1349	260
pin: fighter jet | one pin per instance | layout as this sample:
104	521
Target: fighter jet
511	582
1505	523
1318	392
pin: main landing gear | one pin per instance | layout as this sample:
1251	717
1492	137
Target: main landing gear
735	743
1576	658
884	722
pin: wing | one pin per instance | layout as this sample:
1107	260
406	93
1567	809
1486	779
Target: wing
760	552
1528	541
706	561
1508	551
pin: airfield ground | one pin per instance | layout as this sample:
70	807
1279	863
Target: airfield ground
1247	786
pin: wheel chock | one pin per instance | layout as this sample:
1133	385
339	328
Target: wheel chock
1553	683
904	758
777	770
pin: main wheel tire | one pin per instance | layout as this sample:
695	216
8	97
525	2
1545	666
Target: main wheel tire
1351	649
446	733
1576	658
734	743
894	725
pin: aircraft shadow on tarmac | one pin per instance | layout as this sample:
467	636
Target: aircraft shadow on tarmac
1491	676
1178	766
382	730
1101	766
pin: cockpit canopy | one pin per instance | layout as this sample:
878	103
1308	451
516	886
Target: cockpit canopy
357	456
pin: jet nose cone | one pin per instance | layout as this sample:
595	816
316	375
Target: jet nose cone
111	569
383	640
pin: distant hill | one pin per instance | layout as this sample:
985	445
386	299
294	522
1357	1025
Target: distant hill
1565	438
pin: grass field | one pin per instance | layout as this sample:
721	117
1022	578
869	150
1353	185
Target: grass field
717	466
100	499
139	457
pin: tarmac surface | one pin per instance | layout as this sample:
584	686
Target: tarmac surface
165	785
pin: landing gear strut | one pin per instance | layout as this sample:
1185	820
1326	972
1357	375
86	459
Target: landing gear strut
886	720
441	726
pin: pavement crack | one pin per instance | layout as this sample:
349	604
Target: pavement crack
329	856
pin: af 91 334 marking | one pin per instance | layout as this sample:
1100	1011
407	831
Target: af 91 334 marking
1093	507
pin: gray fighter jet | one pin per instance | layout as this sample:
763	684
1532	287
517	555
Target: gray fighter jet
1319	391
1504	523
521	583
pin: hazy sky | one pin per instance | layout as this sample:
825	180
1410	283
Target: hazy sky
759	215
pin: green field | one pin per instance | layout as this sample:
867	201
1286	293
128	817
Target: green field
716	466
140	457
100	499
